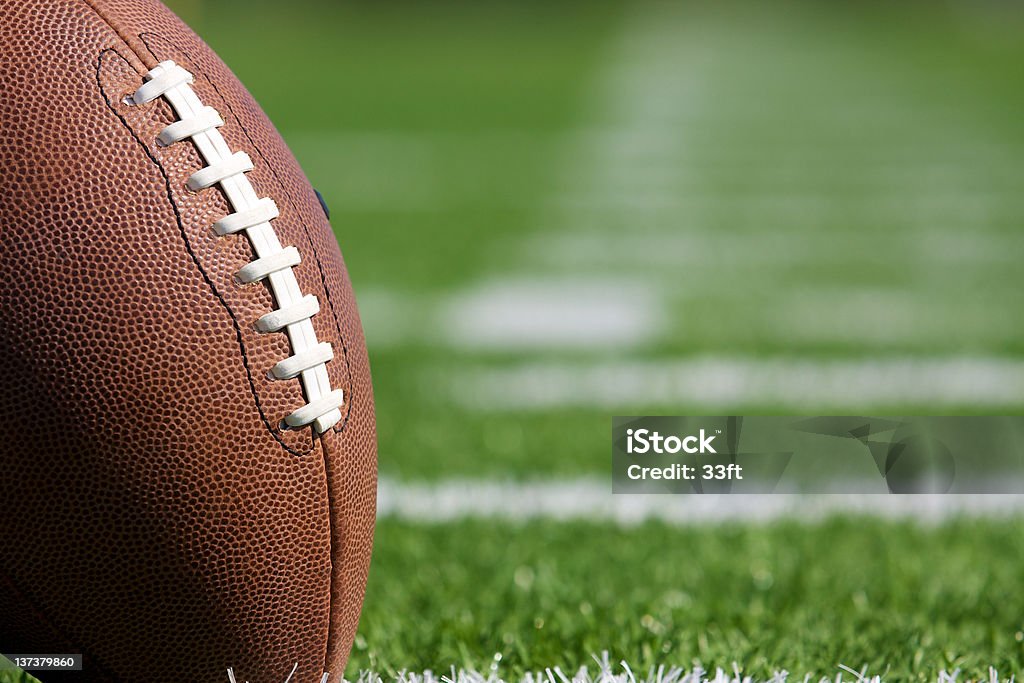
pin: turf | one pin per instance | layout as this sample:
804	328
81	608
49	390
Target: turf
10	674
904	601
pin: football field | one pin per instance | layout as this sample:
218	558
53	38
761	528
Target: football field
557	213
553	213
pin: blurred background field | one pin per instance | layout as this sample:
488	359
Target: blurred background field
554	212
557	212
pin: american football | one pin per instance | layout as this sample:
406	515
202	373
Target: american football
195	459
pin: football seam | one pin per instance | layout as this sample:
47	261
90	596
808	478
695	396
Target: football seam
213	288
339	428
235	323
227	170
145	38
195	259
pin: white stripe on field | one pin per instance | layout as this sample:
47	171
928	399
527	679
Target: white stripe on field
592	500
778	250
520	313
601	313
777	383
638	131
515	314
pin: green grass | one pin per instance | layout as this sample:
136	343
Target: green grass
10	674
905	601
16	677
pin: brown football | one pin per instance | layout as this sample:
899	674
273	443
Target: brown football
189	471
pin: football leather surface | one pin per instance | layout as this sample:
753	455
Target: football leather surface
171	508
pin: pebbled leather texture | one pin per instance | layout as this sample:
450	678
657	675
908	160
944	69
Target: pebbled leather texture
156	518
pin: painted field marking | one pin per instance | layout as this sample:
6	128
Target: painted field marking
801	385
590	499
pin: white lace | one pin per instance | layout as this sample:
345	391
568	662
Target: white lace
252	215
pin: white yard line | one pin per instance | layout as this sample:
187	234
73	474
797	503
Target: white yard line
591	499
812	385
568	312
639	108
707	250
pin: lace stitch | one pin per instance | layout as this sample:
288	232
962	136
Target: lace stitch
252	215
